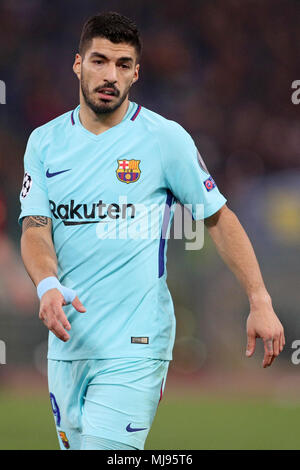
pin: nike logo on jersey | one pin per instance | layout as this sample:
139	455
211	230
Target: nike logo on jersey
130	429
50	175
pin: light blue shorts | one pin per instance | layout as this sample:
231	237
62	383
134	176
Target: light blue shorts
113	399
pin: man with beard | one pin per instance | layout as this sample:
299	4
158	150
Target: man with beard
94	167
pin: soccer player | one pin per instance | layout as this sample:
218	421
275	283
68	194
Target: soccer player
105	299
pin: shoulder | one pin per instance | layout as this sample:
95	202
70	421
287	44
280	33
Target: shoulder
164	129
47	130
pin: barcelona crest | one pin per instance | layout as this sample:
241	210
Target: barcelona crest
64	439
128	171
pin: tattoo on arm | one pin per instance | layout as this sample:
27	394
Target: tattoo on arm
35	221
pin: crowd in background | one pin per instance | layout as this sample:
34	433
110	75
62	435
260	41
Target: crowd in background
223	69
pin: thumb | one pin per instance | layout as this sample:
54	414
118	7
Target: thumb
78	305
251	344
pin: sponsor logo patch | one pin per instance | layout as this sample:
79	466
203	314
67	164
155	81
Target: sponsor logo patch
74	214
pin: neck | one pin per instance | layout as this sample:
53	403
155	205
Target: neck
98	123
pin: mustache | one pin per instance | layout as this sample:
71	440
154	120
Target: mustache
116	92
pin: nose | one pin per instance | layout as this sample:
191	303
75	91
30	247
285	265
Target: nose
111	73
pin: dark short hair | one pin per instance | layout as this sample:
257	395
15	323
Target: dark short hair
112	26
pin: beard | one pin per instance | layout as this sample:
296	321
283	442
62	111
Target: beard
101	106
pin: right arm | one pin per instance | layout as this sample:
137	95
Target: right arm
37	248
40	261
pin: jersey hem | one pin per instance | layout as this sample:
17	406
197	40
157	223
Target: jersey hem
33	212
211	210
54	357
117	437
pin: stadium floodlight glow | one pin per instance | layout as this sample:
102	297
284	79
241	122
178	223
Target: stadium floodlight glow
2	92
2	352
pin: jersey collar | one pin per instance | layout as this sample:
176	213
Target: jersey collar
131	114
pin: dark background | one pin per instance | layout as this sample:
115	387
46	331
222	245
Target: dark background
224	70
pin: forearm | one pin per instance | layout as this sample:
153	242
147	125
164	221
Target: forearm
236	250
37	251
40	261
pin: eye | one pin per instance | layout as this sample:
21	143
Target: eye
98	61
124	66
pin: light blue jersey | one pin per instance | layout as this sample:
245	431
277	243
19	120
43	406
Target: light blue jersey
95	188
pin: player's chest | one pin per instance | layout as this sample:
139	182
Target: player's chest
106	169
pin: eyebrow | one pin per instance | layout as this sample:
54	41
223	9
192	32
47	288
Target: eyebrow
102	56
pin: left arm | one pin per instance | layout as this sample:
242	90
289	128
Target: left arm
236	250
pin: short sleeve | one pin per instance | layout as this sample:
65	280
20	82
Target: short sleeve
33	196
186	174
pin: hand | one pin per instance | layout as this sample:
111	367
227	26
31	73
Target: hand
53	316
263	323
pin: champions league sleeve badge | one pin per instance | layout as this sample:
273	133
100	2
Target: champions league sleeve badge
209	184
26	186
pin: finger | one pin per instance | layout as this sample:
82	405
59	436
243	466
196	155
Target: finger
78	305
251	344
271	362
56	328
276	346
267	362
61	316
268	343
281	342
276	350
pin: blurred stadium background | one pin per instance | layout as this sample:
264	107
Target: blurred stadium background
223	69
